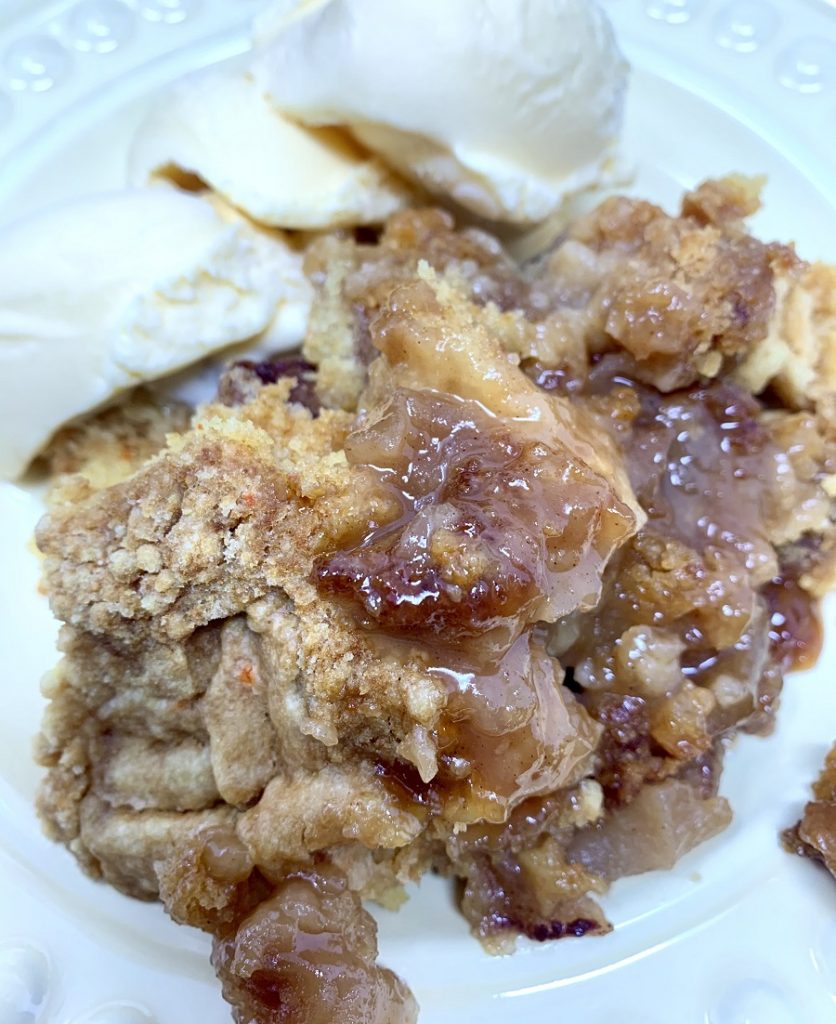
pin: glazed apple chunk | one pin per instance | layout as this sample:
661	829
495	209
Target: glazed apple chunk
308	953
504	508
501	514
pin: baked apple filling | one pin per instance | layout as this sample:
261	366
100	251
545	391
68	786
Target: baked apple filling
478	583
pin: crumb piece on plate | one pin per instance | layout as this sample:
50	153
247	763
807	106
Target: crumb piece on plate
815	835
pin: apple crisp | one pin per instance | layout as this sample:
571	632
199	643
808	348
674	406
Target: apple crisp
479	582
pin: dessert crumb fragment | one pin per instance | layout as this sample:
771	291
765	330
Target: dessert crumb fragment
815	835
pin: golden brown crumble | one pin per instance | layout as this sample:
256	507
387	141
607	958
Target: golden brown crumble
479	583
111	445
815	835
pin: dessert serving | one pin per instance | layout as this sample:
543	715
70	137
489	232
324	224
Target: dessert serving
498	521
478	584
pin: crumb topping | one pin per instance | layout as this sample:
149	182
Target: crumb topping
479	583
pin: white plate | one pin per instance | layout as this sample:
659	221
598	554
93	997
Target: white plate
739	933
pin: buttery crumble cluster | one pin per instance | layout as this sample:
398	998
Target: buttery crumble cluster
815	835
478	583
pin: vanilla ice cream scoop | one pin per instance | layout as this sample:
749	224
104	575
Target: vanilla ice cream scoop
505	107
103	293
220	126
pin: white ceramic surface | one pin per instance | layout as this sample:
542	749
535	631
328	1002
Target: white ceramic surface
739	933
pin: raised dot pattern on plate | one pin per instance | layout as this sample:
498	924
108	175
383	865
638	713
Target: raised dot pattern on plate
746	25
24	983
39	63
36	63
100	26
675	12
808	66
